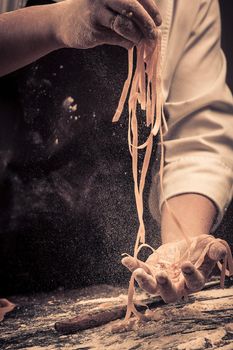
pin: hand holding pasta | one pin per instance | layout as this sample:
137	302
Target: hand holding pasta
174	270
88	23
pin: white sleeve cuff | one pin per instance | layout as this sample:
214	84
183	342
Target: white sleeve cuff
207	176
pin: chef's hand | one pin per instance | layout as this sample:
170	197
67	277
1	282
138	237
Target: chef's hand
87	23
159	275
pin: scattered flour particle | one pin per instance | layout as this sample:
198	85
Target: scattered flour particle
67	102
73	108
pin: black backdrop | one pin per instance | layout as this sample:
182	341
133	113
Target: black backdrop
67	207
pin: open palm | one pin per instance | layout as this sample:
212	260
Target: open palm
174	270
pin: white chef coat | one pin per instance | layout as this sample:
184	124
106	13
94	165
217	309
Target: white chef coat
10	5
199	105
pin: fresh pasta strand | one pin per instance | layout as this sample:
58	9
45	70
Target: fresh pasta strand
149	96
145	88
146	91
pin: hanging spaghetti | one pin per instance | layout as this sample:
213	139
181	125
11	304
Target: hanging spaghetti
146	90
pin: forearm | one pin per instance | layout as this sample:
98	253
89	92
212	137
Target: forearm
26	35
196	214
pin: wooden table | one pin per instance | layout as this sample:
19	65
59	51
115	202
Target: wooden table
205	320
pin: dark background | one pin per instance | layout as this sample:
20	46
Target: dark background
66	200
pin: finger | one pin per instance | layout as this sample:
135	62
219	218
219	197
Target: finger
111	38
217	251
153	10
120	24
194	279
137	14
126	28
166	288
145	281
132	264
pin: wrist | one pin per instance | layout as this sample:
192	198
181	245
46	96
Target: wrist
194	212
57	16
